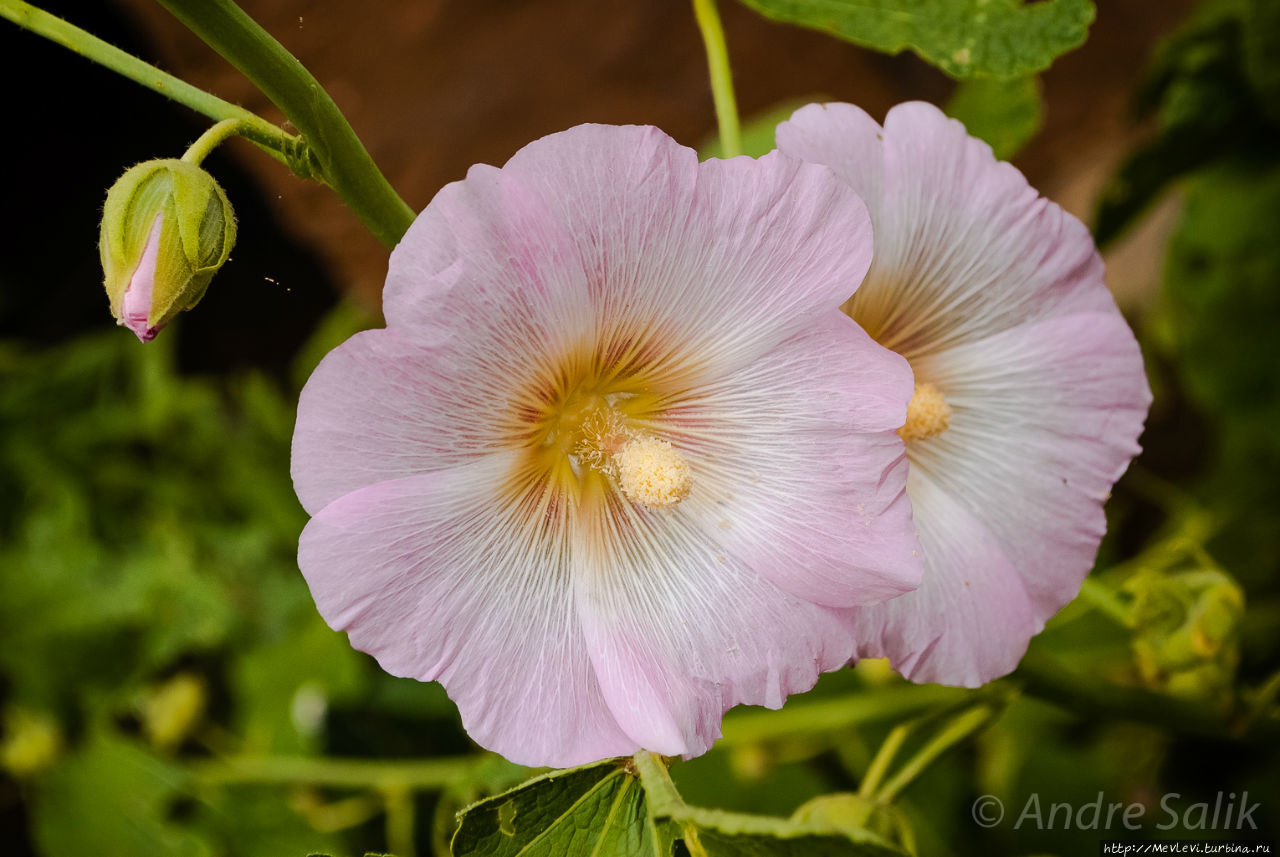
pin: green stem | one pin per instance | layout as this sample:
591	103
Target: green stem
1044	677
883	758
284	147
1264	699
830	715
351	773
956	731
721	79
400	821
211	139
659	791
343	159
1102	597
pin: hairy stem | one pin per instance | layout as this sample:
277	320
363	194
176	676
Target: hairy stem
343	160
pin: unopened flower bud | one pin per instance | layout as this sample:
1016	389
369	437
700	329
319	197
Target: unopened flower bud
1186	630
167	228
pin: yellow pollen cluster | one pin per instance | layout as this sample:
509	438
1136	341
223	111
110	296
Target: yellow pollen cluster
928	414
652	472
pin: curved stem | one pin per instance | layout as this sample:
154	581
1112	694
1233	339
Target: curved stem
1105	600
211	139
956	731
721	79
884	757
344	162
284	147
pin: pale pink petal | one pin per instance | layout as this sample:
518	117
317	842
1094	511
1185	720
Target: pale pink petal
135	307
1045	419
460	577
601	232
806	482
676	643
382	407
844	138
970	620
964	246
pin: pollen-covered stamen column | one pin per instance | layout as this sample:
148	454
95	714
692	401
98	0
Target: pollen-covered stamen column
928	414
647	469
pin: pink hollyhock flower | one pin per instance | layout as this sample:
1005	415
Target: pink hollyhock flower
1030	391
617	462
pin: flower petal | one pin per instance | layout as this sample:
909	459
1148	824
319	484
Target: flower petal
844	138
440	576
679	633
807	482
964	246
970	620
606	231
382	407
1045	419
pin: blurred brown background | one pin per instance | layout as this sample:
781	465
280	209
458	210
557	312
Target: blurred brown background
433	86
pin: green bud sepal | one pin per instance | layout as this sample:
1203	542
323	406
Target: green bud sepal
167	227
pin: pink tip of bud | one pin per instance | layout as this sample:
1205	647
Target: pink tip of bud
137	297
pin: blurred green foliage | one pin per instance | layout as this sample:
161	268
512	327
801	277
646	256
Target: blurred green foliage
166	686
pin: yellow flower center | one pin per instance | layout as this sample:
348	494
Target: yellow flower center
928	414
652	472
592	430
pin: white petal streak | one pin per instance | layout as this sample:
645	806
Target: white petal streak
440	576
966	247
1045	418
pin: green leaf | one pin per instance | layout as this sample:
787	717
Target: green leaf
1205	109
1005	113
1221	277
1261	59
714	833
111	797
591	811
285	685
989	38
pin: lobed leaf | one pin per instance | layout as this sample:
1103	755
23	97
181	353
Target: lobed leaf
991	38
